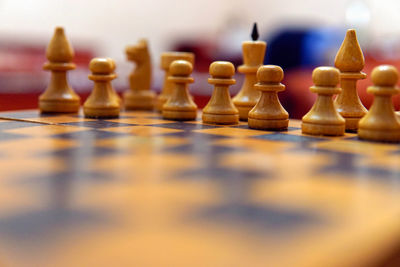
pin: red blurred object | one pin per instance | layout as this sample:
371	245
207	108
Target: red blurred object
10	101
22	79
297	98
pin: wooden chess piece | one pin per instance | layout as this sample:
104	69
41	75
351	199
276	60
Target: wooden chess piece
113	67
350	61
102	102
180	105
220	109
59	96
166	59
268	113
323	118
139	95
253	58
381	123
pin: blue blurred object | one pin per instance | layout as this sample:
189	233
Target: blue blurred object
303	47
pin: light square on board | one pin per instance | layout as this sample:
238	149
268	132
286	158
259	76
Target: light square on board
142	130
299	133
231	132
356	147
60	119
45	130
141	113
140	120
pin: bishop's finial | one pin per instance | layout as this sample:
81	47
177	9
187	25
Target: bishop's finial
254	32
350	58
59	48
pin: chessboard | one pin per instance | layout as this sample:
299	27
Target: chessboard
139	190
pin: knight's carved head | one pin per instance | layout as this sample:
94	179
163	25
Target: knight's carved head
138	52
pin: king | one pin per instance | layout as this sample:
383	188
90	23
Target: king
253	58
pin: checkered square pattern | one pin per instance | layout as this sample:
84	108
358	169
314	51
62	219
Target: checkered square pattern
82	186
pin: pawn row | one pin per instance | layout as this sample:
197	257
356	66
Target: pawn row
379	124
268	113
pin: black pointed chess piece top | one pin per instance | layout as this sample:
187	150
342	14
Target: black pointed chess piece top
254	32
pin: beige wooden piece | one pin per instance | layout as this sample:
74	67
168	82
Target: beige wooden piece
113	67
268	113
166	59
139	96
323	118
253	58
381	123
180	105
103	101
350	61
59	97
220	109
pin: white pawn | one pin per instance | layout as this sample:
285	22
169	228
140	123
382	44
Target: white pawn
323	118
180	105
103	102
268	113
220	109
381	123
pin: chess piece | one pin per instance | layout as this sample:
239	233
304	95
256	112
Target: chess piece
166	59
381	123
113	67
350	61
220	109
323	118
268	113
102	102
253	58
59	96
180	105
139	95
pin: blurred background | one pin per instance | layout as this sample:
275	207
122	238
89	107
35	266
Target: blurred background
300	35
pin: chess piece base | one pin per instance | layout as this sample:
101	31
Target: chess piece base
379	135
351	124
112	112
179	115
322	129
141	100
161	100
220	118
268	124
244	111
59	106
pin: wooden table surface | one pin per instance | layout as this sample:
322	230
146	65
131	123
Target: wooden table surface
143	191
